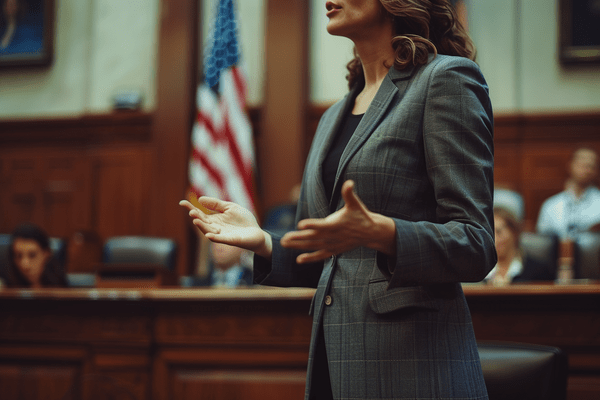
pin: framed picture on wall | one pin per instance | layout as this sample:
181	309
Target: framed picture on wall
579	31
26	32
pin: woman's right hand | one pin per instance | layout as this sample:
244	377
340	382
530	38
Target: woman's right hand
231	224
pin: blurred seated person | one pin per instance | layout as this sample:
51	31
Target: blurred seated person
577	208
513	265
228	267
30	260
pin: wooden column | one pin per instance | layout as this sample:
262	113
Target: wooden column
280	146
176	86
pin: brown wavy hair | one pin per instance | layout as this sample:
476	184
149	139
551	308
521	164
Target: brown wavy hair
420	27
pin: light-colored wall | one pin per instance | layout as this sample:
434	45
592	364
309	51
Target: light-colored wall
103	47
517	42
328	58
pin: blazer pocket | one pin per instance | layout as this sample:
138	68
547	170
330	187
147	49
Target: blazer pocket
383	300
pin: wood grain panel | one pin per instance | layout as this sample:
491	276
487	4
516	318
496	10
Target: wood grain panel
37	382
122	191
235	383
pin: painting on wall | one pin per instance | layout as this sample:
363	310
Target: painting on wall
579	38
26	32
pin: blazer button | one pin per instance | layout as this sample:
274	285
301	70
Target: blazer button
328	300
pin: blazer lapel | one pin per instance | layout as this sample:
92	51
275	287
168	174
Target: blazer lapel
394	83
321	145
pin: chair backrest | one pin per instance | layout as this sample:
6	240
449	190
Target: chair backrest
510	200
543	248
587	255
4	245
59	250
514	371
140	250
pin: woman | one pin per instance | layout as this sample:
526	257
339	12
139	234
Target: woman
395	210
30	263
513	265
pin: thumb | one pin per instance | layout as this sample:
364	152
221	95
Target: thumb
349	196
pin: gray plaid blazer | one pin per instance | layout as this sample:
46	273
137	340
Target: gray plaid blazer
400	328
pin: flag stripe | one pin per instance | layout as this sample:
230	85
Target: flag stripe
214	174
222	158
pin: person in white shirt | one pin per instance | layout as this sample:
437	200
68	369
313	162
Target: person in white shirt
577	208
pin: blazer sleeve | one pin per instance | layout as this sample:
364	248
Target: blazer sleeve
281	269
458	149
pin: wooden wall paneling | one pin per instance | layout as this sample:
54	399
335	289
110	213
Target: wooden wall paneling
67	193
48	187
46	167
122	191
175	111
507	166
544	174
21	194
124	126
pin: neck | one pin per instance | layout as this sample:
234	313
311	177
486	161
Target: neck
577	189
376	56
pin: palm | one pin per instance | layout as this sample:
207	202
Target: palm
229	223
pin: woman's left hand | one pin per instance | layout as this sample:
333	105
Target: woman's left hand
351	226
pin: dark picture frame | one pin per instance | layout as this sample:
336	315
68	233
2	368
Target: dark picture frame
579	31
26	33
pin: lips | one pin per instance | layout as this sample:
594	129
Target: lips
331	6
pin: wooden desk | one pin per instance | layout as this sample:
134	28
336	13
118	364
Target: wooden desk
180	344
565	316
154	344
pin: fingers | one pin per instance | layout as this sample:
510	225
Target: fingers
213	204
203	224
313	257
187	204
349	196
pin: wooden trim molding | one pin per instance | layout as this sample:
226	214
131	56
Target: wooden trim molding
87	129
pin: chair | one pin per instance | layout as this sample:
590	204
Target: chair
542	248
59	250
587	255
515	371
510	200
4	245
140	250
137	261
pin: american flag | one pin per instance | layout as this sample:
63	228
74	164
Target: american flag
222	147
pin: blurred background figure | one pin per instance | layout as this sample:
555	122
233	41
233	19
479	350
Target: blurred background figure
228	267
30	260
577	208
513	264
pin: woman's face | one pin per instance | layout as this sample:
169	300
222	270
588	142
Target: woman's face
505	238
355	19
30	259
